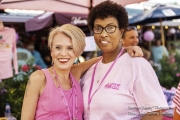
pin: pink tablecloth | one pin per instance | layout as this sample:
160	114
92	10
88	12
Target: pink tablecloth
167	118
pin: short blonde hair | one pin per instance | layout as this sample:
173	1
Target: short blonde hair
76	34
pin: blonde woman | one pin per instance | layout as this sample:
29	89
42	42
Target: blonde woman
54	93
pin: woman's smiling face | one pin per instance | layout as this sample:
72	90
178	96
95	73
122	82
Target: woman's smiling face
107	42
62	51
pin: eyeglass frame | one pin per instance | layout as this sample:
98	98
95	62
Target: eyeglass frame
104	28
129	28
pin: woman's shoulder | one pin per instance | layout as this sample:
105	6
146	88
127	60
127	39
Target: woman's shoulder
37	76
135	60
37	80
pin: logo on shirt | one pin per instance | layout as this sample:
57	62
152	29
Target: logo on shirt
112	86
3	43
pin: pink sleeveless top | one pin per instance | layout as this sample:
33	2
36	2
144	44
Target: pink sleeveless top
51	106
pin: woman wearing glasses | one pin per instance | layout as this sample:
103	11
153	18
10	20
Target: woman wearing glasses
118	87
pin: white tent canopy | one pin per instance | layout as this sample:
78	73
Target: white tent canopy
62	6
17	19
165	23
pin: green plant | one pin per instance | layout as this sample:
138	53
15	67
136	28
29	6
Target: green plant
15	88
3	93
169	75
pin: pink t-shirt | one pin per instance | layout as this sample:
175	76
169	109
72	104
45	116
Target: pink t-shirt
130	90
51	106
7	50
176	99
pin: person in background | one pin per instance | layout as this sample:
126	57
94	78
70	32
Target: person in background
37	56
118	87
44	50
130	37
176	101
172	49
54	93
23	54
158	51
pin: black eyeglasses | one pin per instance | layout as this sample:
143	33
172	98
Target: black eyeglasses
129	28
108	29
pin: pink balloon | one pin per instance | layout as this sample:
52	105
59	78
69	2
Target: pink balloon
171	31
148	35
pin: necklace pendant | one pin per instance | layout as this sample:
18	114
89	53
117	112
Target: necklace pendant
97	81
74	118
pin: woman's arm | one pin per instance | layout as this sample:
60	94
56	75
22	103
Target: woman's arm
156	115
33	89
78	70
176	115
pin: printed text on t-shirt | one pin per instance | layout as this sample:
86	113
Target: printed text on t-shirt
112	86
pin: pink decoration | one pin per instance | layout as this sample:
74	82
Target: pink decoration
25	68
172	60
148	35
177	74
17	37
37	67
173	89
171	31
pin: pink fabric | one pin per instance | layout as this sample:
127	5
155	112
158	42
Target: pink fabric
167	118
176	99
58	6
7	51
130	90
51	106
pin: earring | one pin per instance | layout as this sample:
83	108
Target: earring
52	63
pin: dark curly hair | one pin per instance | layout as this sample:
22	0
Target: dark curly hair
106	9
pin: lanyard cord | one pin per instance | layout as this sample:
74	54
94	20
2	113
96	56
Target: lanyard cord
92	81
74	96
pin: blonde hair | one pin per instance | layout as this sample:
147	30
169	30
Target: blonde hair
76	34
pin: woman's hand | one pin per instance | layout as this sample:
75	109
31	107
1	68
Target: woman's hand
134	51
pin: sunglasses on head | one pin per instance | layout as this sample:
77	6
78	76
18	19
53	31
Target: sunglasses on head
130	28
